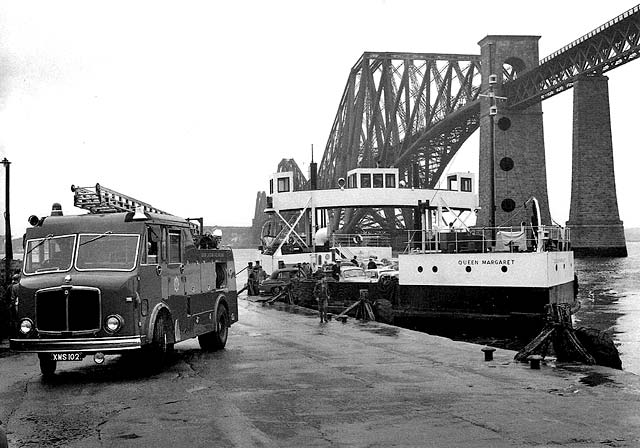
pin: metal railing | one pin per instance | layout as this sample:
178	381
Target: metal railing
592	33
360	239
490	239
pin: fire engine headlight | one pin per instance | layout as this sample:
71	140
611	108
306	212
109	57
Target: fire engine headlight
113	323
26	325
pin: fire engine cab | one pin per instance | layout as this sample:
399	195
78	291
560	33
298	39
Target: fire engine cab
126	276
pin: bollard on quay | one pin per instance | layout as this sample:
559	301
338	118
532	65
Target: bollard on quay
534	361
488	353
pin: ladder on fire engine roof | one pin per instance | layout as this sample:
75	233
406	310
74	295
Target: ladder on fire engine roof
101	199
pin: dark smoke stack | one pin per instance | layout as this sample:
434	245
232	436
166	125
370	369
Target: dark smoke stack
313	172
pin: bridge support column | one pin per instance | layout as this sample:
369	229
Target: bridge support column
512	157
594	219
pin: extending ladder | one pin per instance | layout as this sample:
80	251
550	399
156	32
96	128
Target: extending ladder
99	199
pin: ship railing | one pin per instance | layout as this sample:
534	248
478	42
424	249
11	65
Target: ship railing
489	239
360	239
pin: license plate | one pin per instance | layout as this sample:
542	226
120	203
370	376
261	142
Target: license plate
67	356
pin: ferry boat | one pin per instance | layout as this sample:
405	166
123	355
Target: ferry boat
450	273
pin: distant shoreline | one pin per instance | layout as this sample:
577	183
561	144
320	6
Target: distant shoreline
238	237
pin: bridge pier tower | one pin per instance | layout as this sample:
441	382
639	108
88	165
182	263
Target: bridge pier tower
594	219
512	158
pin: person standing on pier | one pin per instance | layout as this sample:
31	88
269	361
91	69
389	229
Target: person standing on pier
251	280
321	291
335	270
260	276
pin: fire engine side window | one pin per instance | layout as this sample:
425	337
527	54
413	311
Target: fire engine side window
163	244
152	240
175	255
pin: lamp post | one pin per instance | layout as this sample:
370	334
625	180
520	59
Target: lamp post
493	111
8	247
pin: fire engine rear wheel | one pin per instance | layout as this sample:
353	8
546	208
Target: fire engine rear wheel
275	291
216	340
47	364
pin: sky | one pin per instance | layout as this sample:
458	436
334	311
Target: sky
190	105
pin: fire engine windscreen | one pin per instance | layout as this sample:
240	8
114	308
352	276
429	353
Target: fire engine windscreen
116	252
50	254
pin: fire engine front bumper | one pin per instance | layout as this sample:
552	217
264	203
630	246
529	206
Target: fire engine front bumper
82	345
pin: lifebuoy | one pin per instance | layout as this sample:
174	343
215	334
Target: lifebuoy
357	239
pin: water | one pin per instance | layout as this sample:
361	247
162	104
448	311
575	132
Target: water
610	297
609	294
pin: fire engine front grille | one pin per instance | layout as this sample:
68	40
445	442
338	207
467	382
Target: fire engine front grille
68	309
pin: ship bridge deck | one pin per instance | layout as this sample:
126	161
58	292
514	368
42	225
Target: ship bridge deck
374	198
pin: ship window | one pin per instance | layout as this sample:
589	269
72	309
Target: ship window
377	181
365	180
504	269
390	181
270	186
465	184
468	269
420	269
283	185
174	247
452	183
352	181
434	269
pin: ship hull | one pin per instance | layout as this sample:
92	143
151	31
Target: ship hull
490	293
477	309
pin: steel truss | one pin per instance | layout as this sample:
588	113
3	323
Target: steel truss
613	44
415	110
408	110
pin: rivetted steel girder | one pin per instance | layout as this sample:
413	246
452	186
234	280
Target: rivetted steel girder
605	48
415	110
391	113
389	103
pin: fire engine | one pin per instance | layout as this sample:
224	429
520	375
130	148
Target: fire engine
124	277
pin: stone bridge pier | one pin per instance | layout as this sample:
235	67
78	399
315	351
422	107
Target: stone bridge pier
594	219
512	154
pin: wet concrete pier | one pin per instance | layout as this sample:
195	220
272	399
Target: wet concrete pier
285	380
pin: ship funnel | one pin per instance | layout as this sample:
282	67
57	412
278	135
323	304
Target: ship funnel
313	175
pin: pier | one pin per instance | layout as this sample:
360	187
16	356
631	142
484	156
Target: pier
371	384
285	380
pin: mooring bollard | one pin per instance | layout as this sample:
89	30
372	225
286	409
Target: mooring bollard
488	353
534	361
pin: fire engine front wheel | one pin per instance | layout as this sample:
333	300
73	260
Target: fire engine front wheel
216	340
47	364
162	344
